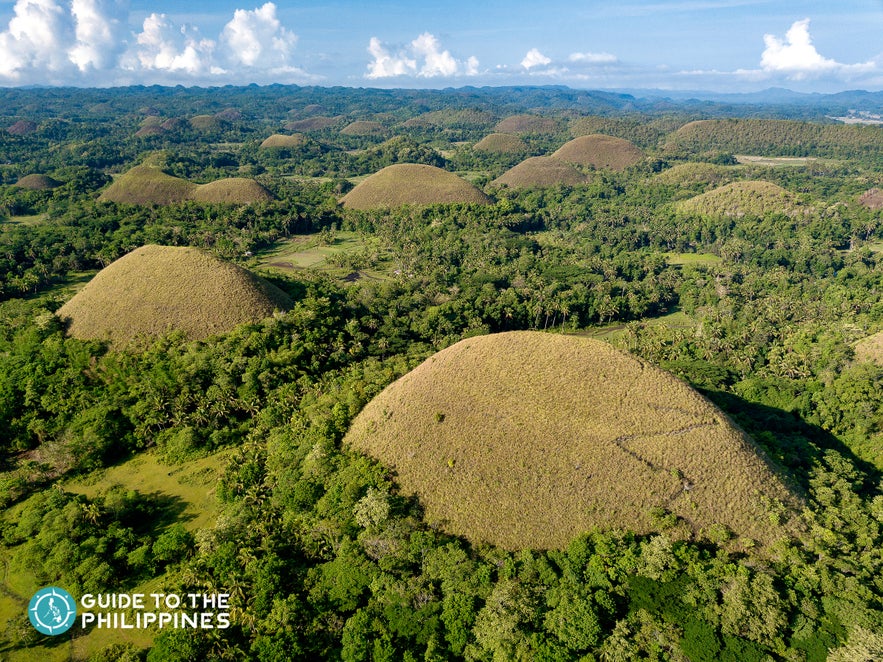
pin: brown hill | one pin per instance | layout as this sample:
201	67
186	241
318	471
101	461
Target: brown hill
412	184
527	124
363	128
37	183
279	140
149	130
208	123
600	151
148	185
233	190
157	289
690	174
22	128
500	143
528	439
541	171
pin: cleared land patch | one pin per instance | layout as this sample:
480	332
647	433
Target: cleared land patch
527	439
157	289
412	184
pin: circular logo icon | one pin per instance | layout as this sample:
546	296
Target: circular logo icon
52	610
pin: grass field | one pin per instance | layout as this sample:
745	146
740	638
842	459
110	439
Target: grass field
691	258
527	439
773	161
34	219
311	252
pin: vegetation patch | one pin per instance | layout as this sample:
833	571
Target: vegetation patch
37	183
738	199
501	143
412	184
542	437
527	124
600	151
157	289
541	171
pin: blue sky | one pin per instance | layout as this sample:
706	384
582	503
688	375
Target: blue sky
728	45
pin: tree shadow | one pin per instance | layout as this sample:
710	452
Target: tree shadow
794	446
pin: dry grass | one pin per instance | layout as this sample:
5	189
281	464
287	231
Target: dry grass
148	185
689	174
363	128
870	349
157	289
149	130
738	199
412	184
205	123
37	183
289	142
22	128
234	190
600	151
872	199
527	439
541	171
500	143
527	124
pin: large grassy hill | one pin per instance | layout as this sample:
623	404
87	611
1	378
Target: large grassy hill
744	198
600	151
500	143
149	185
527	439
233	190
157	289
412	184
285	141
541	171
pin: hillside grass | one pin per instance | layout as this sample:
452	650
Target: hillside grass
232	191
600	151
37	182
149	185
744	198
691	174
539	172
363	128
870	349
412	184
500	143
157	289
279	140
528	439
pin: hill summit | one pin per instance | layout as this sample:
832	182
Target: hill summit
157	289
412	184
527	439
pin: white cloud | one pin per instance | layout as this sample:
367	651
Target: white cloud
99	39
38	38
593	58
797	57
258	39
535	59
423	57
164	46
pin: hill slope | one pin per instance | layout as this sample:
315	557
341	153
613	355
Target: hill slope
145	185
541	171
528	439
746	198
600	151
156	289
412	184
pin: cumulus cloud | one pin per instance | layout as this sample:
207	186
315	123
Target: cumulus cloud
797	57
593	58
423	57
535	59
87	42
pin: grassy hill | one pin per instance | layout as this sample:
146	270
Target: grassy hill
208	123
500	143
540	171
146	185
527	124
527	439
233	190
37	182
690	174
285	141
600	151
363	128
412	184
748	198
156	289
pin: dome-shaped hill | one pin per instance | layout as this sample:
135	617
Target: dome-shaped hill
600	151
870	349
205	123
362	128
22	128
500	143
412	184
151	120
748	198
149	130
156	289
541	171
689	174
528	439
233	190
526	124
173	124
148	185
872	199
279	140
37	183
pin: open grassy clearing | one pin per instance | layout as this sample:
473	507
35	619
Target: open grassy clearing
614	331
33	219
774	161
314	252
527	439
692	258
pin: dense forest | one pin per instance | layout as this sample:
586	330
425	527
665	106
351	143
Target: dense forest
758	307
